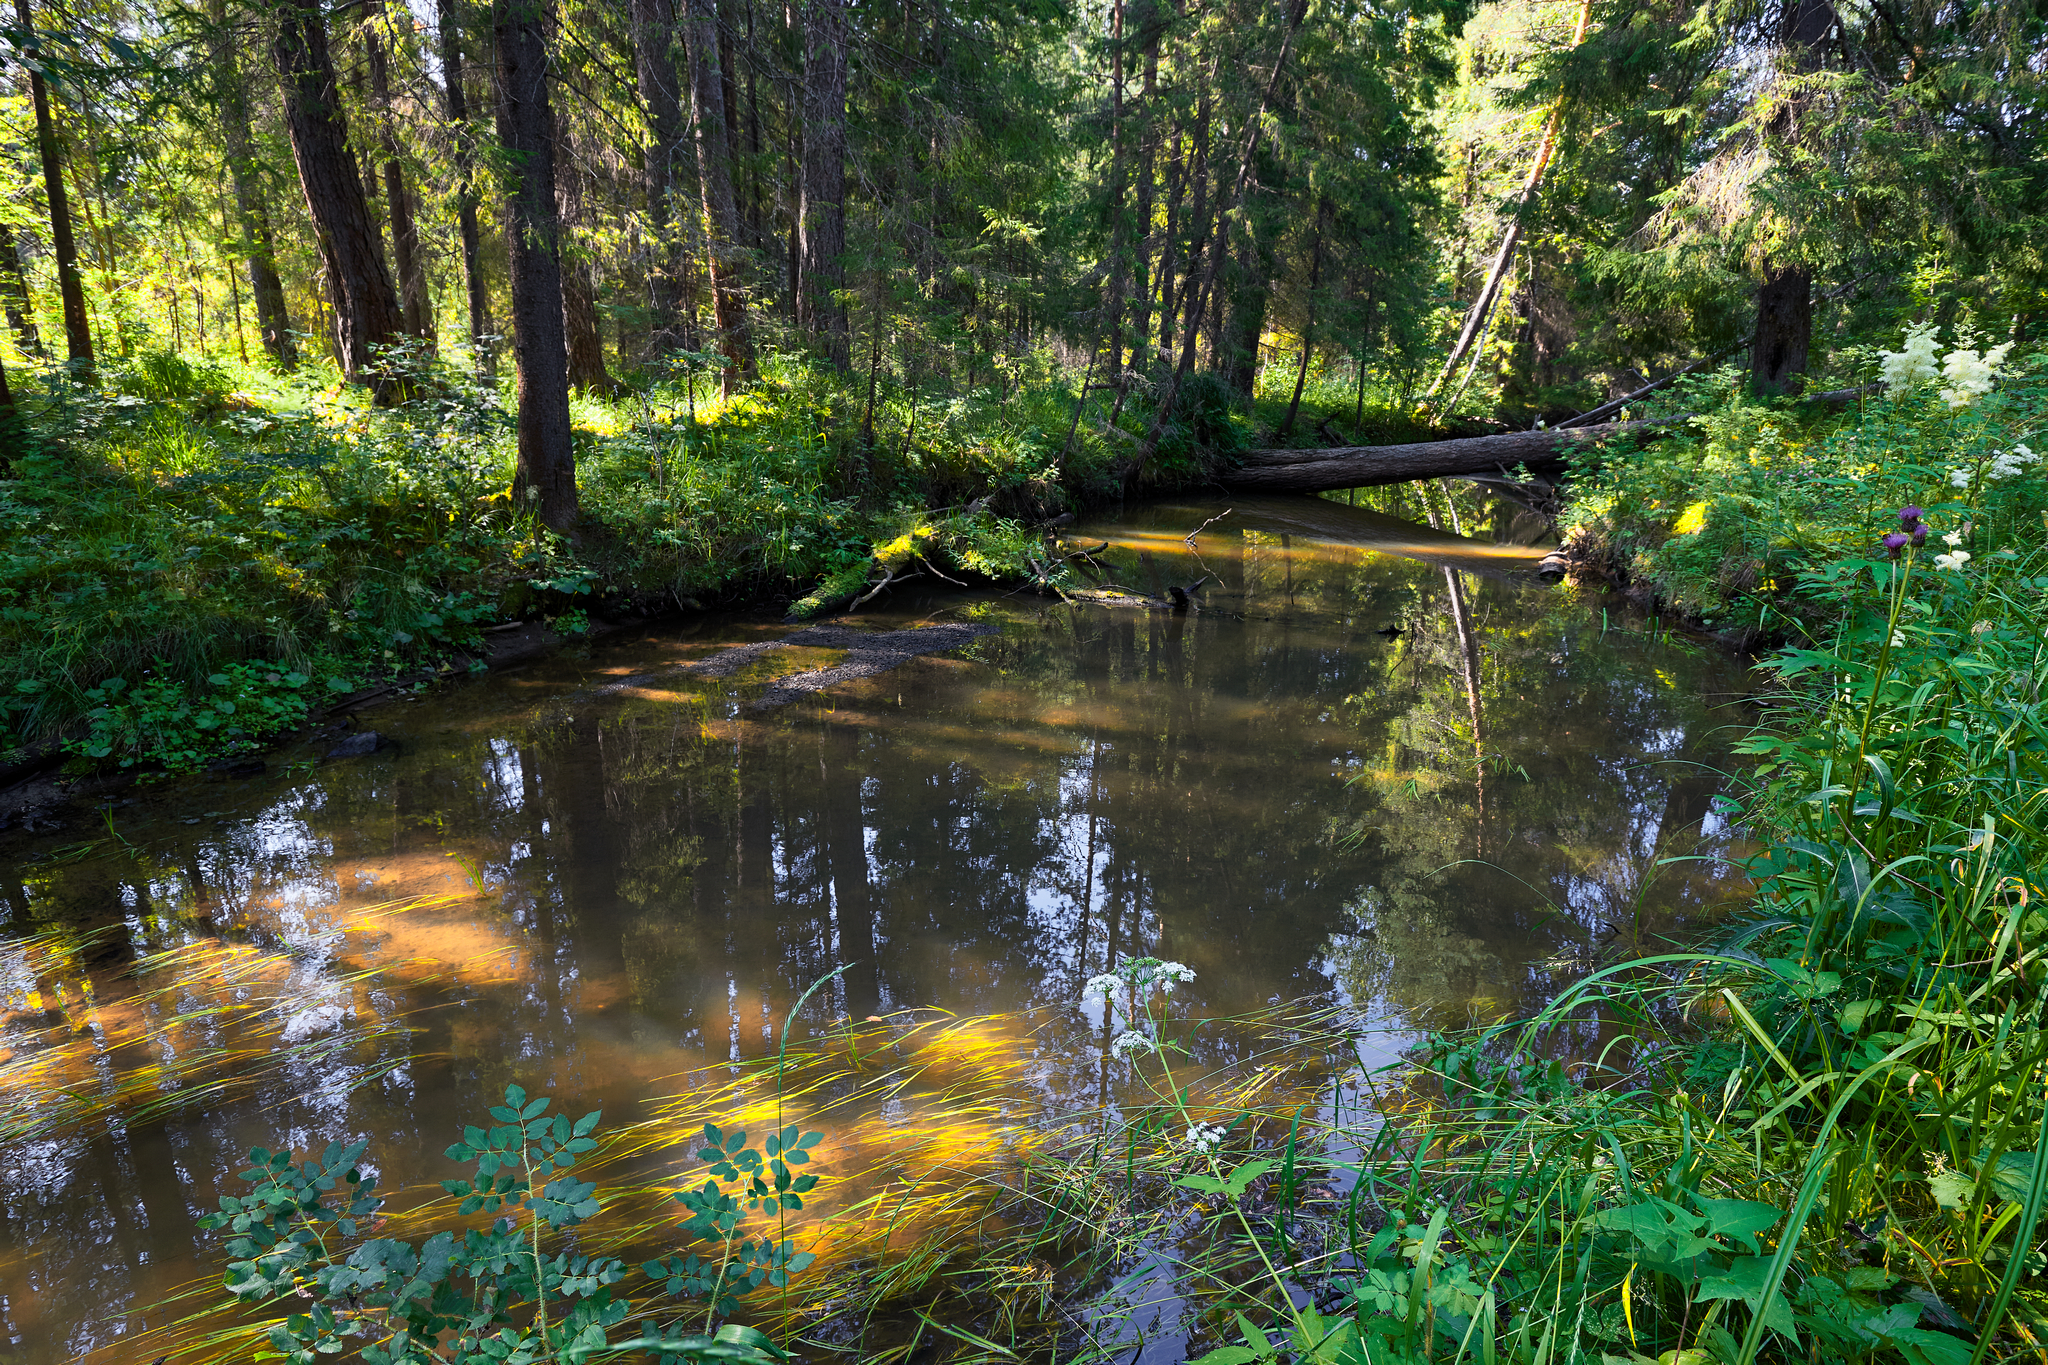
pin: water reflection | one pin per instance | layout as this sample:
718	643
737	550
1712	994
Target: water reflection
589	887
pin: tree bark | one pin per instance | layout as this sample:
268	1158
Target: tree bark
21	311
1321	471
1784	328
1308	326
366	310
661	92
1784	296
579	289
821	212
415	305
456	101
70	284
1335	467
1482	305
252	221
709	87
1297	12
526	131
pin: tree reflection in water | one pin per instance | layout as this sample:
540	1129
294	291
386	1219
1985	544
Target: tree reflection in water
591	893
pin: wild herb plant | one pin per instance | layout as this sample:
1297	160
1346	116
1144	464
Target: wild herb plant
514	1289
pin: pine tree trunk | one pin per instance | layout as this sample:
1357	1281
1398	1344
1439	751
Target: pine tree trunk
457	105
661	92
1784	296
579	288
526	131
1784	328
1308	326
821	214
709	87
367	316
70	284
414	302
21	312
252	221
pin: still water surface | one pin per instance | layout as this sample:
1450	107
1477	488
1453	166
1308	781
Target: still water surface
594	873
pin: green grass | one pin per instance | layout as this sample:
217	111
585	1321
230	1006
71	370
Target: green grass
198	555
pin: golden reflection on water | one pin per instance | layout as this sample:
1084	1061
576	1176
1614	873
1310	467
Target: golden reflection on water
602	878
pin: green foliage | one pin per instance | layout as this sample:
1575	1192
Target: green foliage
512	1290
1728	519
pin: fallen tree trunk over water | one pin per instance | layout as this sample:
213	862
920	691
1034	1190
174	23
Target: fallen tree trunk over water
1327	470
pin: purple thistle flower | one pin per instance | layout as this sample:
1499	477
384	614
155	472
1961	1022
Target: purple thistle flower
1919	535
1895	542
1909	516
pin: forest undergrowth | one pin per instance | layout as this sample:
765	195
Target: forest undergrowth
198	555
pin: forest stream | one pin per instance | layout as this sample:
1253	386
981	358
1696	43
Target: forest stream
1375	763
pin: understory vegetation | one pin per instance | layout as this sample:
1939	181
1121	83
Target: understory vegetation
200	556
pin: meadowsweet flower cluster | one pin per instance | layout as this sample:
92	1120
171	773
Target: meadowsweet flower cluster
1204	1137
1970	374
1953	560
1913	363
2003	465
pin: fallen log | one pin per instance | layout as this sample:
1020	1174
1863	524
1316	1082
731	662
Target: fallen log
1332	468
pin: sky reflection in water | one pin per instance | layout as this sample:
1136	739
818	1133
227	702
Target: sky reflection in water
588	888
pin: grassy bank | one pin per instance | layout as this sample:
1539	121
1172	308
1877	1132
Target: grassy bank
198	555
1821	1137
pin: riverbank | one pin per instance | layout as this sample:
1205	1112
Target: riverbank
1822	1135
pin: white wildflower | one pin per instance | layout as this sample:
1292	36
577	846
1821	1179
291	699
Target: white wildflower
1171	974
1204	1137
1898	640
1914	362
2011	462
1129	1045
1952	539
1105	986
1959	478
1970	374
1954	559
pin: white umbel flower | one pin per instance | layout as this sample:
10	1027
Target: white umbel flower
1204	1137
1106	985
1954	559
1131	1044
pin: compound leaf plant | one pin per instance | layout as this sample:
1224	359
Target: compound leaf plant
506	1292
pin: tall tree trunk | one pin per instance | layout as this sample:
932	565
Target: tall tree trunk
367	315
1308	326
1784	328
1784	295
21	311
709	87
457	104
526	131
1297	12
252	221
821	213
414	301
1489	292
579	289
77	326
661	92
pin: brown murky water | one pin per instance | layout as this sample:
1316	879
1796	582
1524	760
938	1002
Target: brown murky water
596	873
